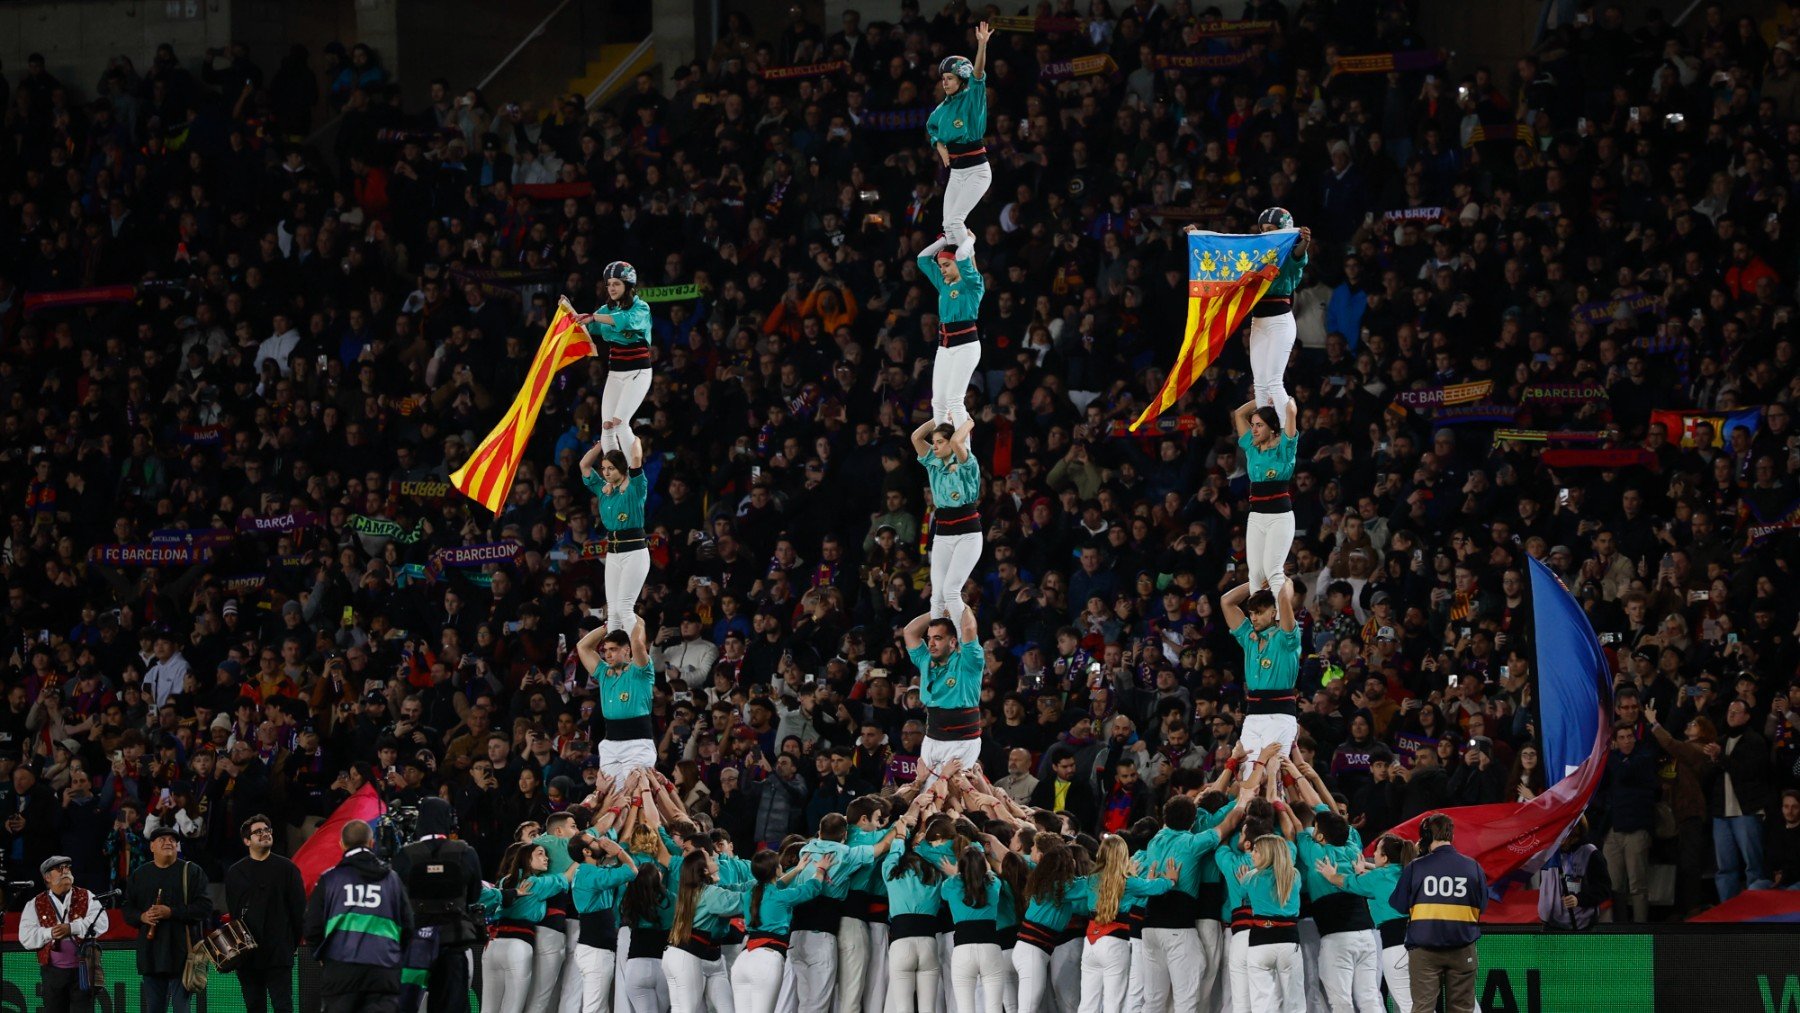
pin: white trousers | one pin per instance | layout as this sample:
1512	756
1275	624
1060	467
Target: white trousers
1309	963
1276	978
1032	967
1271	345
852	964
569	993
1065	975
875	975
1396	970
961	194
953	558
1350	971
1262	729
646	989
1267	540
1214	985
596	967
547	956
506	976
756	979
625	574
619	757
912	975
1105	974
696	985
950	373
981	964
1237	965
1173	969
623	395
1134	990
946	942
622	944
937	752
812	958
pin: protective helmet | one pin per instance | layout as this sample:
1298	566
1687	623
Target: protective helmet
620	270
961	66
1277	217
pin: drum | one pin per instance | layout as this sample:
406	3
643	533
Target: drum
227	944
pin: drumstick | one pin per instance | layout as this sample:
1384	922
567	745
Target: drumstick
151	934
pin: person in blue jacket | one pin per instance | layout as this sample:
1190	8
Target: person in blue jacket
623	325
1443	893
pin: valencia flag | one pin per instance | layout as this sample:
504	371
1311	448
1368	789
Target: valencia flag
488	475
1226	275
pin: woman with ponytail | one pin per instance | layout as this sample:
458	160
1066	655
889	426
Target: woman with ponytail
913	904
973	895
1108	893
623	324
768	912
1050	897
1376	883
694	962
526	886
645	913
1272	965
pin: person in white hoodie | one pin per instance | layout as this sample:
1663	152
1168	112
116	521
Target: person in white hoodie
279	346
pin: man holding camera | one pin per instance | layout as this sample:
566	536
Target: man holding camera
443	878
54	925
1443	893
263	892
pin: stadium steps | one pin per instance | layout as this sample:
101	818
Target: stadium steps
620	62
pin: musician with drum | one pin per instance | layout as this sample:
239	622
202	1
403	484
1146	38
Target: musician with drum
58	923
267	902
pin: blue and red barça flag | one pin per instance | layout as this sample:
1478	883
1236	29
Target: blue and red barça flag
1226	275
1574	704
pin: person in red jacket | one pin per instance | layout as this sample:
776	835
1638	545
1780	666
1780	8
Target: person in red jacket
1746	270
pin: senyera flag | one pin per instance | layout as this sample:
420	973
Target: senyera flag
325	847
487	476
1572	688
1226	275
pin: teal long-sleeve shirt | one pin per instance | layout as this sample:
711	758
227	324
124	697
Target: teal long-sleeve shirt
960	118
1137	890
1188	848
951	890
630	326
529	907
1344	858
597	887
1259	889
908	894
1377	887
775	912
958	302
1054	912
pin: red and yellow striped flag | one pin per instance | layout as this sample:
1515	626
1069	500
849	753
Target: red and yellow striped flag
1226	275
488	475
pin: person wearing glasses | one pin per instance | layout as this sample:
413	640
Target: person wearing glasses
265	894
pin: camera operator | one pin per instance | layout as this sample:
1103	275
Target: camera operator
54	924
1573	883
443	878
265	893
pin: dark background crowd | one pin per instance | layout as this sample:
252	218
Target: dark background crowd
322	333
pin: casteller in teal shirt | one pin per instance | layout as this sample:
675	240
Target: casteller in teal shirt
958	301
1271	659
960	118
1276	464
621	509
955	682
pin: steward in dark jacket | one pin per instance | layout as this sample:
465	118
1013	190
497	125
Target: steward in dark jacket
359	919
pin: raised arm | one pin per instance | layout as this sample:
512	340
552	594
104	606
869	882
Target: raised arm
1240	417
1290	424
588	647
921	437
982	34
1284	605
960	440
914	634
588	459
1232	604
634	454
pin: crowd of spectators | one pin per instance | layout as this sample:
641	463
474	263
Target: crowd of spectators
322	332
